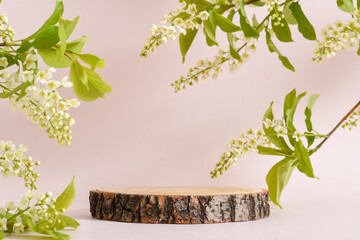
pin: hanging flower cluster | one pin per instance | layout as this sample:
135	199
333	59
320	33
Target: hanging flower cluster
41	101
33	208
247	142
338	37
174	24
6	32
206	68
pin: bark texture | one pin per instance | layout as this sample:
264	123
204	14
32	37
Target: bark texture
179	209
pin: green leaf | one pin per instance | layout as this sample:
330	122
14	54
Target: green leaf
273	151
278	176
210	30
200	4
248	30
77	44
93	61
52	20
69	221
2	235
47	38
289	17
80	71
230	38
225	24
346	5
271	134
97	87
358	51
308	111
97	81
25	45
185	42
310	139
38	229
291	130
304	26
66	197
58	235
272	48
66	27
304	160
21	87
50	56
282	33
358	4
290	104
258	4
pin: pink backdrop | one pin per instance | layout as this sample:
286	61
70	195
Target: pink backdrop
143	134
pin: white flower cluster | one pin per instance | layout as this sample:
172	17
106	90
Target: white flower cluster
276	12
13	215
353	120
183	18
206	68
338	37
247	142
281	130
6	32
13	163
41	101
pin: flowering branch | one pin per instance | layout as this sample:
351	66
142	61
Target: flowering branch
35	93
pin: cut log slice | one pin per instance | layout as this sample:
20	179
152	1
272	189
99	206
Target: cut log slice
180	205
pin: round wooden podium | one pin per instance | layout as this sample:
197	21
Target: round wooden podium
180	205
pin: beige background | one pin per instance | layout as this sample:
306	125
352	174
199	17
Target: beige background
145	135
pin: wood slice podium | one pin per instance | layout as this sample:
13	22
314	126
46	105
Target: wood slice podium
180	205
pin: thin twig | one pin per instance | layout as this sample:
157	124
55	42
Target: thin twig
338	125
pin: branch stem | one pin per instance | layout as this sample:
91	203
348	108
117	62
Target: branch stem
337	126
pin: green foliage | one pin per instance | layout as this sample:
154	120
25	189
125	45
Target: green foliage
289	17
272	48
66	197
185	42
278	177
304	26
93	61
230	37
308	113
282	30
19	90
73	49
225	24
67	221
94	88
346	5
280	173
51	21
41	228
65	54
47	38
248	30
290	104
200	4
271	134
210	30
66	27
302	154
